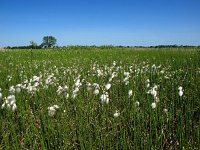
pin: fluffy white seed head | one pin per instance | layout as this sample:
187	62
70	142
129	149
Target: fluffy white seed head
11	99
180	93
56	107
130	93
96	92
180	88
137	103
1	95
116	114
51	111
3	105
165	110
153	105
108	86
14	107
12	90
104	98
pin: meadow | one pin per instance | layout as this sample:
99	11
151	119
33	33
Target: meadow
100	98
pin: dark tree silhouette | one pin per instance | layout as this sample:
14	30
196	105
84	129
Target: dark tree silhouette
48	41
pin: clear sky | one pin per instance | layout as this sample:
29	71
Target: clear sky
100	22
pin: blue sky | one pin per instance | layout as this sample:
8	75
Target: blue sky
100	22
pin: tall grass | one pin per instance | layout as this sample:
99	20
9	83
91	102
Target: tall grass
84	120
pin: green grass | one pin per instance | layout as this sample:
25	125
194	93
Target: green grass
84	122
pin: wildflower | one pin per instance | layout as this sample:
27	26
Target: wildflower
14	107
96	92
153	105
0	95
3	105
165	110
12	90
137	104
116	114
147	83
10	103
18	88
108	86
89	88
56	106
78	83
52	110
130	93
74	94
153	67
36	79
126	79
11	99
66	95
180	91
104	98
153	91
162	71
156	99
59	91
96	85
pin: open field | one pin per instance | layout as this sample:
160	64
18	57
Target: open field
100	98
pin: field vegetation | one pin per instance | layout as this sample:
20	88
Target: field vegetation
100	98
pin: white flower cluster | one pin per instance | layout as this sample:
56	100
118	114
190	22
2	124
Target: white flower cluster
180	91
52	110
63	90
105	98
10	103
126	79
154	93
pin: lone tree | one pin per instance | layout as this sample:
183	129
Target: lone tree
33	44
48	41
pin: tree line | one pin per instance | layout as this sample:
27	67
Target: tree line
47	42
50	42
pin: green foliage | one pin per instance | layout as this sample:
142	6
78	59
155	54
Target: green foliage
84	122
49	41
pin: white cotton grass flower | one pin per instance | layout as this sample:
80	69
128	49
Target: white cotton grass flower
52	110
18	88
180	91
153	105
116	114
126	79
96	92
12	90
108	86
3	105
96	86
137	104
165	110
89	86
56	107
60	90
147	82
66	95
14	107
104	98
10	99
10	102
153	91
130	93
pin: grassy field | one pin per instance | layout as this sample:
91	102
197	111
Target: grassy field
100	98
